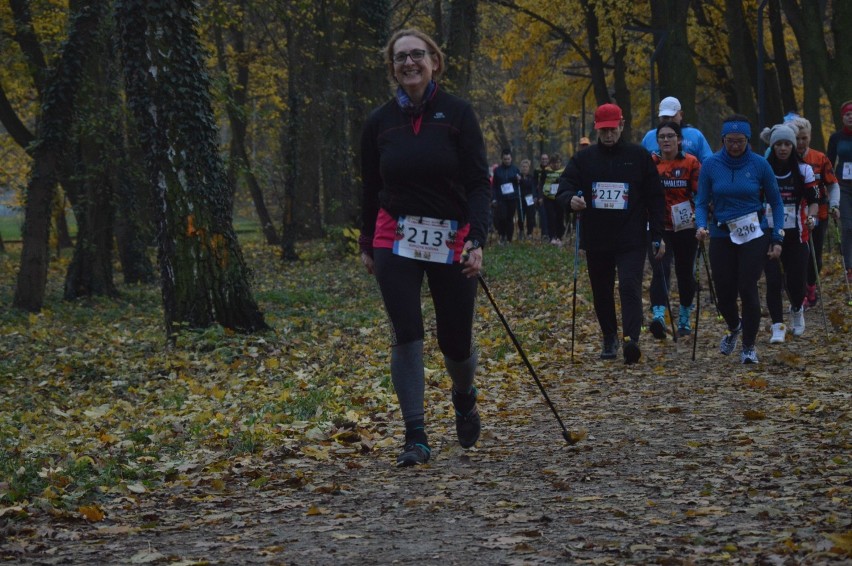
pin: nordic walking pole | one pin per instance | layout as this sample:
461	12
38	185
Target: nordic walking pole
666	291
819	285
576	268
569	438
697	276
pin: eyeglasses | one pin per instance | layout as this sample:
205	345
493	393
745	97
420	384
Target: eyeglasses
734	141
415	54
667	136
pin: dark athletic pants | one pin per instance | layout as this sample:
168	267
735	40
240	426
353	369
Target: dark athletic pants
736	271
602	267
794	258
526	215
680	247
555	218
400	280
506	218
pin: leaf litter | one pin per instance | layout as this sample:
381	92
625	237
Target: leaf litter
279	448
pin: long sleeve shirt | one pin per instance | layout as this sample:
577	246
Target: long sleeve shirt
431	165
737	187
624	198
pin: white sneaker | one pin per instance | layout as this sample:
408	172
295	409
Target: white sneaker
778	333
798	320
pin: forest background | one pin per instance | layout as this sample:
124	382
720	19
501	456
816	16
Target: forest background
292	82
207	153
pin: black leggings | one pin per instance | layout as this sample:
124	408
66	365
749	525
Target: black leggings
818	237
736	271
794	258
506	218
555	218
680	247
526	215
400	280
602	268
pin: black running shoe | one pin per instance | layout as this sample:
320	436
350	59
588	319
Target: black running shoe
610	348
632	353
413	454
468	424
658	328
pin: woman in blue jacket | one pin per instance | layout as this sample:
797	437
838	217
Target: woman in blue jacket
736	182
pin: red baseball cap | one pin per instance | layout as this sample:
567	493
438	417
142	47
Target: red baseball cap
608	116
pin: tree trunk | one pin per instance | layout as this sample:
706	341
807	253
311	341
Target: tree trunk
740	44
782	63
461	45
132	236
204	276
675	65
57	110
60	221
236	106
834	71
839	86
98	138
622	92
369	25
290	149
597	67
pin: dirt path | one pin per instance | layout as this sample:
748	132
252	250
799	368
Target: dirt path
685	462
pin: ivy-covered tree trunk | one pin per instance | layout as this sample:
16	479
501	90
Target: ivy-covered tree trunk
204	276
57	106
98	142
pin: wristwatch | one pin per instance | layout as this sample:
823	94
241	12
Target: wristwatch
474	244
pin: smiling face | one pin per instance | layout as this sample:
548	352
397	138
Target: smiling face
413	76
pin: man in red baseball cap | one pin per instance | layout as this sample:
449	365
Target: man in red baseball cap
614	184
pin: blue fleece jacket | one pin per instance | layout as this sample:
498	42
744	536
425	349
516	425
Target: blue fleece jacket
737	186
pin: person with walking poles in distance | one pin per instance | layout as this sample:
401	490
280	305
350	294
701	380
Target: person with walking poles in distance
504	186
526	204
679	178
554	210
694	142
800	195
425	212
840	155
829	202
735	182
539	176
621	195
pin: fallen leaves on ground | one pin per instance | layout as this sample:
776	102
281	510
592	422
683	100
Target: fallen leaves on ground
280	446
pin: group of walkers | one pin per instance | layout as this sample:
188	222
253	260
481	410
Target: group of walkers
428	203
522	194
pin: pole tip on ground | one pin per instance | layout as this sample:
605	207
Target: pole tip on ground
574	437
